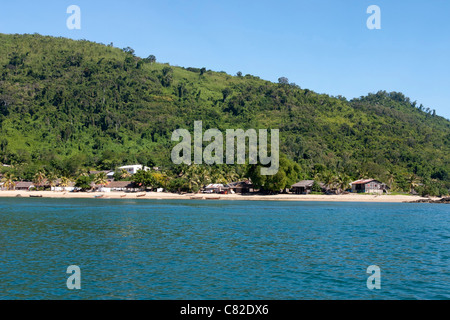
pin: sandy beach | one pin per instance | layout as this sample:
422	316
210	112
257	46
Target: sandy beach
200	196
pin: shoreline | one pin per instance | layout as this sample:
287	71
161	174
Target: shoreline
190	196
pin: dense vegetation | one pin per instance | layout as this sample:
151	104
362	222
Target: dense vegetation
69	106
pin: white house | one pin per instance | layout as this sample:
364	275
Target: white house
132	169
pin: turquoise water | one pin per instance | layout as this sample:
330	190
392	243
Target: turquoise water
161	249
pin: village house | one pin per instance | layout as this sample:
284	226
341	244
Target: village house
305	187
69	188
24	186
120	186
214	188
240	187
368	186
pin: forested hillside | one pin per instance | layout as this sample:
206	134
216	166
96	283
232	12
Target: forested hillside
67	106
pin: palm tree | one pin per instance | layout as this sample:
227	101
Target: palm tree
204	175
161	179
101	179
363	173
232	175
329	179
124	174
52	178
219	176
412	182
196	176
390	174
8	180
39	179
343	182
65	182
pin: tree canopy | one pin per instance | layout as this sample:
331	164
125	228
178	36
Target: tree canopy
67	106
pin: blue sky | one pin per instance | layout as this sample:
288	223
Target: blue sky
322	45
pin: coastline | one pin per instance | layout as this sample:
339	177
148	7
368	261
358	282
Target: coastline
174	196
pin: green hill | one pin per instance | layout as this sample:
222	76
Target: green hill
66	105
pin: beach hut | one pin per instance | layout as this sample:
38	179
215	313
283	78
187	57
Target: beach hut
120	186
214	188
240	187
24	185
368	186
305	187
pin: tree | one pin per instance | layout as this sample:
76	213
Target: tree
328	179
167	76
101	179
84	182
197	176
121	174
150	59
128	50
342	182
291	169
283	81
239	74
225	93
144	179
316	187
275	183
52	178
218	175
412	182
8	181
65	182
288	173
390	174
178	185
39	179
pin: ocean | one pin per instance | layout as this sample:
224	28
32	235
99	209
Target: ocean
208	249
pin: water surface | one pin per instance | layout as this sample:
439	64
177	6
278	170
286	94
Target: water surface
173	249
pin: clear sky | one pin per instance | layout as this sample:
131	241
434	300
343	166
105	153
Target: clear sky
322	45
